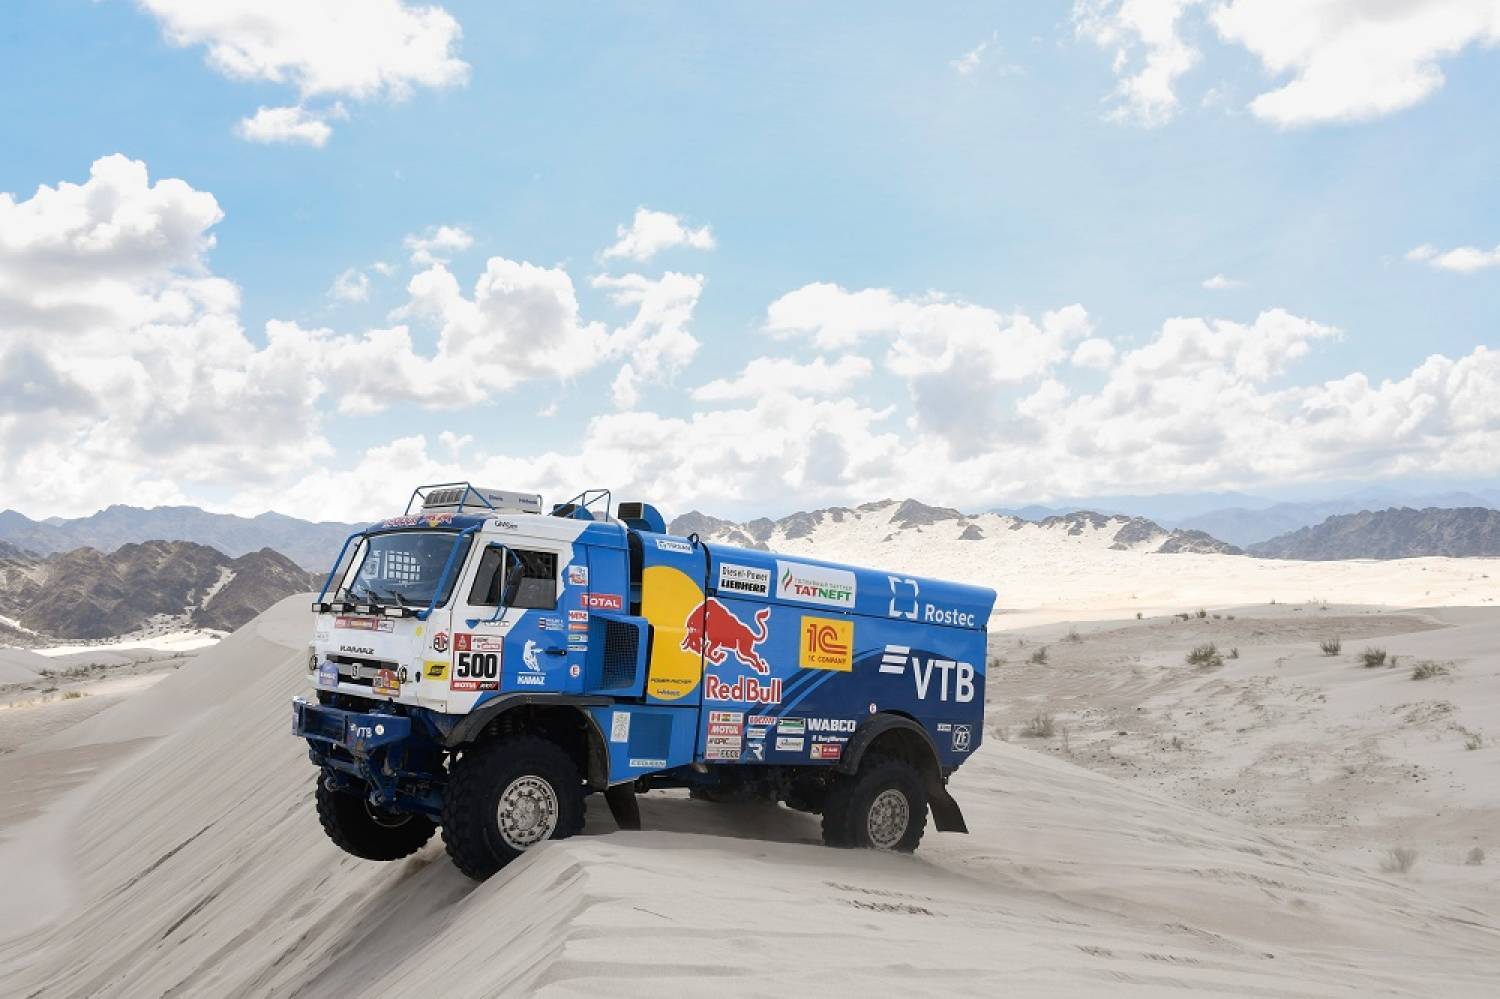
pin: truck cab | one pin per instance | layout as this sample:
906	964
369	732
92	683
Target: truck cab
480	666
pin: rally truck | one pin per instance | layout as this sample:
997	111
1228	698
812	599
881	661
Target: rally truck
481	666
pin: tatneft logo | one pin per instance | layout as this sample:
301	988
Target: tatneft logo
814	584
961	687
827	643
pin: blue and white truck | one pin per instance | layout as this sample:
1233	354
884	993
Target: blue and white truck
482	666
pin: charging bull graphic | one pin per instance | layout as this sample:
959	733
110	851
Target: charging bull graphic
714	632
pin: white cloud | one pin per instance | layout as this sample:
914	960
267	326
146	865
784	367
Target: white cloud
1149	52
350	286
438	244
1095	352
1221	283
353	48
124	361
289	124
771	375
1353	60
650	232
967	63
358	49
1462	260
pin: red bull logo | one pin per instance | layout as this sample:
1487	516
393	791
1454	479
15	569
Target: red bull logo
713	631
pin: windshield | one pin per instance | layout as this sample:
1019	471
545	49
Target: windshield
404	568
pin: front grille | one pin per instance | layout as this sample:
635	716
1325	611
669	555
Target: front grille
360	671
621	642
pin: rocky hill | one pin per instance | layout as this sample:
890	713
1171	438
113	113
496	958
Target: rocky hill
844	529
1399	532
88	594
311	545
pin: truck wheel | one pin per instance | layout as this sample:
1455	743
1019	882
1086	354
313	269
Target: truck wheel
359	828
882	807
505	797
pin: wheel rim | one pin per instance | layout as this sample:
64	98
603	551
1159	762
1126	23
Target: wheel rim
890	814
527	812
384	819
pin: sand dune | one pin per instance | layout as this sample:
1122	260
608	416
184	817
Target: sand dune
174	851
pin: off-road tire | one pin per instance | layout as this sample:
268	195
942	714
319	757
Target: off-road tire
359	829
476	780
850	800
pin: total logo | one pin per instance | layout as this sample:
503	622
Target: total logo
905	604
714	632
956	679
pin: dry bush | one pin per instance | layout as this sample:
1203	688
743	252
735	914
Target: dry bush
1372	658
1475	857
1039	656
1398	860
1202	613
1040	727
1427	669
1331	646
1072	636
1206	656
1473	740
72	695
1234	653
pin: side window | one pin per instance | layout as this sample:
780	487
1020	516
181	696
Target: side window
538	587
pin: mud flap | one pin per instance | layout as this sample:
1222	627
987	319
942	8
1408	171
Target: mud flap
945	812
626	810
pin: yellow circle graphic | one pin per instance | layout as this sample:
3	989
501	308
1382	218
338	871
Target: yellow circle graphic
668	598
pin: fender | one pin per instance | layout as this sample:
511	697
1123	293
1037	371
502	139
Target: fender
473	723
946	814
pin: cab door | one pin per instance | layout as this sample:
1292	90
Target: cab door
511	624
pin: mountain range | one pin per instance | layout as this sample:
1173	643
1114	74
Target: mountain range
1245	520
309	544
1395	533
89	594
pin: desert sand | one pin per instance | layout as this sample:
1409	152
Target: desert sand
168	845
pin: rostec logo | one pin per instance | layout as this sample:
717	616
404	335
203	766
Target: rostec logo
903	597
827	643
956	679
814	584
713	631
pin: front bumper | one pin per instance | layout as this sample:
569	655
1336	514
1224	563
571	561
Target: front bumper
360	733
375	754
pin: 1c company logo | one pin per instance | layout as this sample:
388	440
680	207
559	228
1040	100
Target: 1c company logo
827	643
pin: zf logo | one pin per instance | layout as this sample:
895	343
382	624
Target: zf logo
476	666
961	738
956	679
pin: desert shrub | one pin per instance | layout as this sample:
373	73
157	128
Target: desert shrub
1427	669
1206	656
72	695
1039	656
1475	857
1331	646
1473	740
1372	658
1072	636
1229	617
1234	653
1202	613
1398	860
1040	727
1176	743
1137	615
1185	616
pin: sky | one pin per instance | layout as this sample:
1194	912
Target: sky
744	257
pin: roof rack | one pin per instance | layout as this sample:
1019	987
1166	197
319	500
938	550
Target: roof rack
458	495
